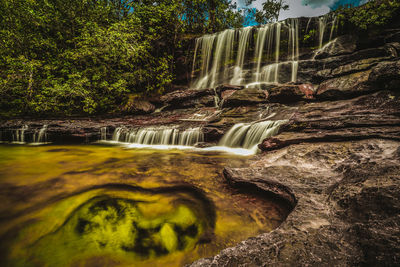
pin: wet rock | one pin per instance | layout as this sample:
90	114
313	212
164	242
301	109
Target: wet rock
271	144
138	106
307	90
345	44
227	93
212	134
345	86
318	70
290	93
251	182
357	66
204	144
386	75
189	98
369	116
246	96
346	213
393	36
227	87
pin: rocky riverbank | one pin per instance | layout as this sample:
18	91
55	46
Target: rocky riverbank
347	211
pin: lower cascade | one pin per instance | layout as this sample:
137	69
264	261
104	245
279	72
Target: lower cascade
249	135
159	136
19	135
40	136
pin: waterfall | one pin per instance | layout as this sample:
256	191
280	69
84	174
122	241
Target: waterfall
206	42
321	29
308	24
19	135
323	22
41	136
277	49
249	135
265	33
159	136
244	37
333	27
103	133
225	56
293	53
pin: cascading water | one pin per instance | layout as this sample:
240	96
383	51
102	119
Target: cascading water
159	136
19	135
40	136
333	27
322	24
224	41
103	133
269	73
224	57
321	29
217	51
244	38
293	53
263	32
249	135
206	43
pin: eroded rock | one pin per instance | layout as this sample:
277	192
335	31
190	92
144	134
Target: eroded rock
246	96
291	93
347	209
345	44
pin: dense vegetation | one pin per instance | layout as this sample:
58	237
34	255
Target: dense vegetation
372	15
75	57
90	56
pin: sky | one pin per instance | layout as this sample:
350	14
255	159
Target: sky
306	8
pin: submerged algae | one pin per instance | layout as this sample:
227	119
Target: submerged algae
108	206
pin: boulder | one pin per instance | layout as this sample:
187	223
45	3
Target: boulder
245	97
291	93
189	98
227	87
345	44
386	75
138	106
345	86
227	93
251	182
271	144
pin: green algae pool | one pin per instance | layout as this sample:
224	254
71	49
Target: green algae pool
97	205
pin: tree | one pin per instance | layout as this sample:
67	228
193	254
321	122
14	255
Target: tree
270	11
85	57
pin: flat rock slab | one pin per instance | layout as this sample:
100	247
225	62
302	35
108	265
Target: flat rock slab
347	212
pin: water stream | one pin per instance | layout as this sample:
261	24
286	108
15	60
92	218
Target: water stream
96	205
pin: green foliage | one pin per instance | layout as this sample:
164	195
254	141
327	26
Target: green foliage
309	35
87	57
373	14
210	15
270	11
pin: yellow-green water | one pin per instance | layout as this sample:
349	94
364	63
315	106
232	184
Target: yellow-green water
98	205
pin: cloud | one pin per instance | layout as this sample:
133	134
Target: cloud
332	4
306	8
317	3
297	9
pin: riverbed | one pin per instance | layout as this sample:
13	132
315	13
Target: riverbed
106	205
